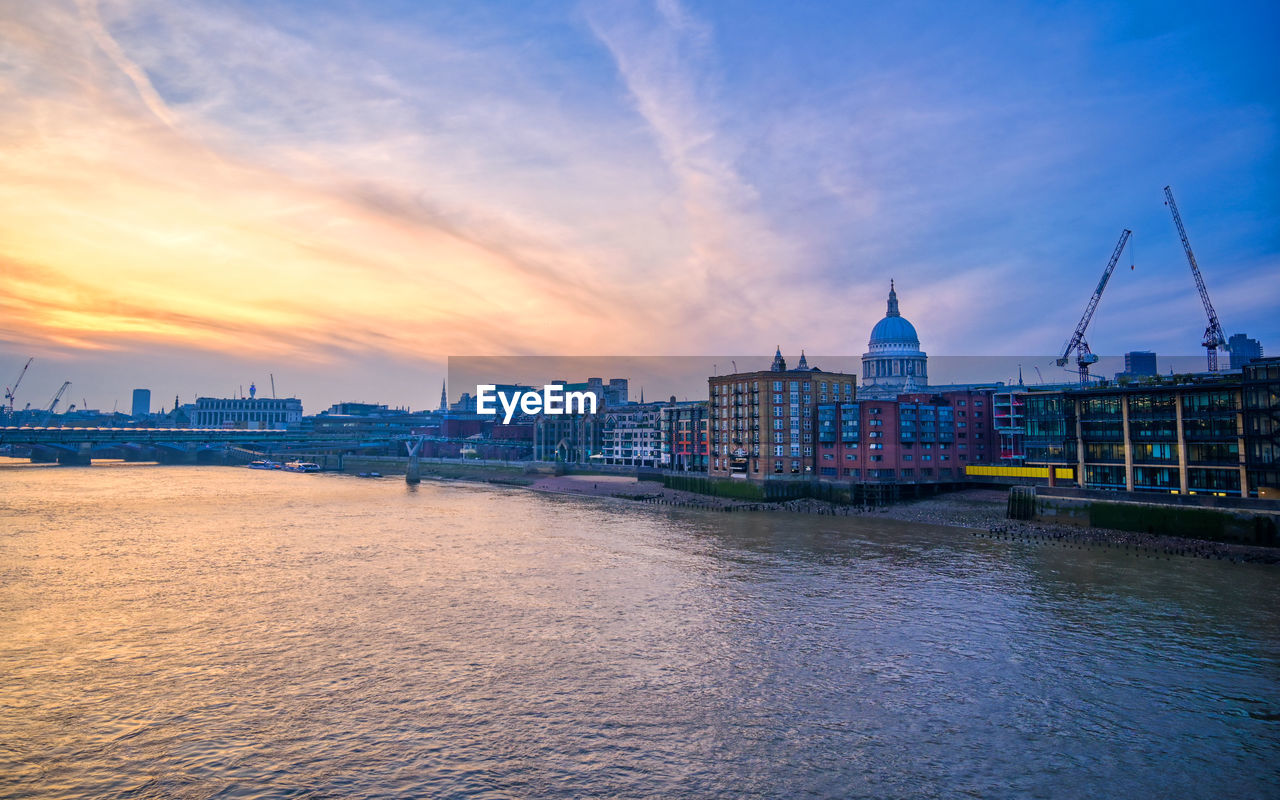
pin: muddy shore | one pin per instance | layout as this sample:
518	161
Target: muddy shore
981	511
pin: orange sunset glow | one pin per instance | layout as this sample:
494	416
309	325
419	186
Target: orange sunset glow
197	195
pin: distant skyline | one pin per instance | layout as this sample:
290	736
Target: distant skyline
197	195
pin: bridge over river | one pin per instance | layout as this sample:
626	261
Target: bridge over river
170	445
79	446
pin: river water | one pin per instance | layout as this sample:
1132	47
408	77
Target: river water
218	632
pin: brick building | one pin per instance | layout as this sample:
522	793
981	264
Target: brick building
764	424
684	431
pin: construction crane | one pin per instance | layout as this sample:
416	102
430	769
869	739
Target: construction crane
48	415
1213	335
1077	344
10	392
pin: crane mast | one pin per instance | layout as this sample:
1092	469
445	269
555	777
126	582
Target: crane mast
1213	334
9	393
54	404
1077	344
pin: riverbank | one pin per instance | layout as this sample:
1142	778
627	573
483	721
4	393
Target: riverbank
979	510
984	510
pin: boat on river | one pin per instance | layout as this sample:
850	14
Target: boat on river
302	466
263	464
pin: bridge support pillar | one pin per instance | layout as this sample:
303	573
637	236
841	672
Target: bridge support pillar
172	455
138	454
82	457
413	473
43	455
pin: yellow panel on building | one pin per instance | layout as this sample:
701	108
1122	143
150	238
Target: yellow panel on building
1066	473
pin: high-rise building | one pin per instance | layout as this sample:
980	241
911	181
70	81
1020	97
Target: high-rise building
631	435
1261	383
684	435
765	423
1243	350
1140	362
612	393
1006	418
141	402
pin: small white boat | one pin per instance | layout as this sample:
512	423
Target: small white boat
259	464
302	466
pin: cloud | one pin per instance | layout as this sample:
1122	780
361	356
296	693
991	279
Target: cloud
334	188
293	231
665	58
93	25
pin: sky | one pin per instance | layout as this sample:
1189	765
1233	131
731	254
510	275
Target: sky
340	196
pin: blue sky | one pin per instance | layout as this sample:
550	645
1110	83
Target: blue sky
402	182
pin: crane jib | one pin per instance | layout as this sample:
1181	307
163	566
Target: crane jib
1214	337
1077	343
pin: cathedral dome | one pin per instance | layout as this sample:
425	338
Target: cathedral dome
894	331
894	363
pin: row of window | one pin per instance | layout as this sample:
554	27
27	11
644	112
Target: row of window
778	386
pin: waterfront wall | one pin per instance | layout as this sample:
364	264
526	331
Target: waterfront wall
716	487
782	490
507	472
1211	518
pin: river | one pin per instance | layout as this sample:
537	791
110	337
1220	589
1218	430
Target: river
222	632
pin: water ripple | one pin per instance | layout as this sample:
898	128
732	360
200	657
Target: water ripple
221	633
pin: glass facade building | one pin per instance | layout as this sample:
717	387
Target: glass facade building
1261	389
1183	437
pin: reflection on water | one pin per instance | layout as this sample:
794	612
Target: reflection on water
205	632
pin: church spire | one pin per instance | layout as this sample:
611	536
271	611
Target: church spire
804	362
779	363
893	301
444	396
